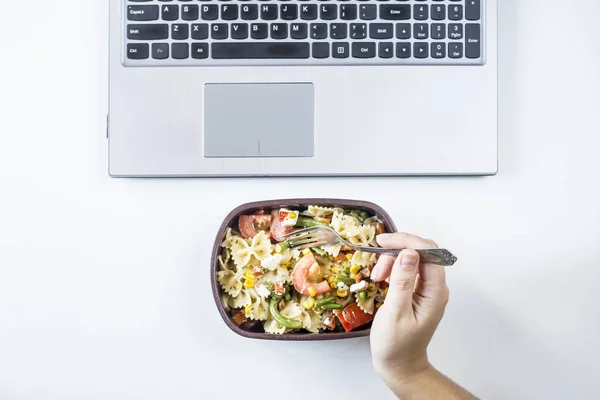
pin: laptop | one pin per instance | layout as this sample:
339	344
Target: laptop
211	88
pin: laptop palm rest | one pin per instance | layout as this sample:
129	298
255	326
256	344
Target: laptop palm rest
258	120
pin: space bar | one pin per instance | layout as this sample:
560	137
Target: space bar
260	50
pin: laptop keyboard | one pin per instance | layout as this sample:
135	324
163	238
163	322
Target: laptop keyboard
303	32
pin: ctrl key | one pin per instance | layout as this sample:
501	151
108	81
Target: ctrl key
138	51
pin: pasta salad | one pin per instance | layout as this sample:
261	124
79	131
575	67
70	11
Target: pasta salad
270	287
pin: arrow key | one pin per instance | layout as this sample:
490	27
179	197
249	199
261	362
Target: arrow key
421	49
386	49
403	31
403	50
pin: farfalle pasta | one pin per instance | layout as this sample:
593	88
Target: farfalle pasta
274	288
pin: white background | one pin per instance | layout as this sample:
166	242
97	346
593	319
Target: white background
104	289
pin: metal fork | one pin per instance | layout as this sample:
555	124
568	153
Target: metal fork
324	236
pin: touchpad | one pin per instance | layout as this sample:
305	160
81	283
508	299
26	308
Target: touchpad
259	120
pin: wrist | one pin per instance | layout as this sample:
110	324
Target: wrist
404	372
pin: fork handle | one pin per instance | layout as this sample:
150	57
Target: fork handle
429	256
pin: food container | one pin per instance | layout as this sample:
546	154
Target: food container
250	208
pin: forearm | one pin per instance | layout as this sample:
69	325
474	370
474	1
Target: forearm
429	384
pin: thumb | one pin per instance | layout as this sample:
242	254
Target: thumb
402	281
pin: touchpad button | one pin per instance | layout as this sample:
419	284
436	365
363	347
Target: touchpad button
259	120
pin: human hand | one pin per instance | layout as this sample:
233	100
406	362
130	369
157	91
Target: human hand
415	303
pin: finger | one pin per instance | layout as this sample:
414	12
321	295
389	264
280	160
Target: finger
402	282
401	240
383	268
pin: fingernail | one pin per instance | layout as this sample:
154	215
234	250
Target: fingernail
409	260
375	273
383	236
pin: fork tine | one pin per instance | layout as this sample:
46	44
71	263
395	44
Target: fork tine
306	232
296	243
305	246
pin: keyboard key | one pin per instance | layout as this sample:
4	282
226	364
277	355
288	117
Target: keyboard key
229	12
138	51
455	50
473	10
473	39
299	31
289	12
403	31
381	31
386	49
438	31
147	32
438	50
170	12
403	50
308	11
259	31
199	31
318	31
160	51
268	12
348	12
199	50
239	31
338	31
421	31
180	51
260	50
210	12
190	12
394	11
421	49
455	31
328	12
279	31
367	11
142	13
340	50
249	12
358	31
180	31
455	12
438	12
219	31
363	49
421	12
320	50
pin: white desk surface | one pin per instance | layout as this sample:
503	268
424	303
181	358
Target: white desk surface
104	289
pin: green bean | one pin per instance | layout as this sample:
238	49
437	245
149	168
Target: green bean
287	297
331	306
362	295
280	247
281	320
307	222
342	278
318	250
324	300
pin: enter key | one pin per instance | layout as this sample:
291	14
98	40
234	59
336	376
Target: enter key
473	40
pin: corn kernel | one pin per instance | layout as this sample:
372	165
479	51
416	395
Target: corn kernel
348	257
379	304
354	269
371	287
385	291
249	274
247	310
309	303
293	215
331	279
335	269
306	252
249	283
312	291
342	293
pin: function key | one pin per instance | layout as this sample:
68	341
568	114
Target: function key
160	51
138	51
142	13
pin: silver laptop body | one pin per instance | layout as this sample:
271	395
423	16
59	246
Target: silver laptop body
302	88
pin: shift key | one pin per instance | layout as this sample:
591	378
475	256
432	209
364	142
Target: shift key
147	31
473	40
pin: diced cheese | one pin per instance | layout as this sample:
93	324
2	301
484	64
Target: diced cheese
359	287
288	217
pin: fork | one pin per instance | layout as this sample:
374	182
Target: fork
324	236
